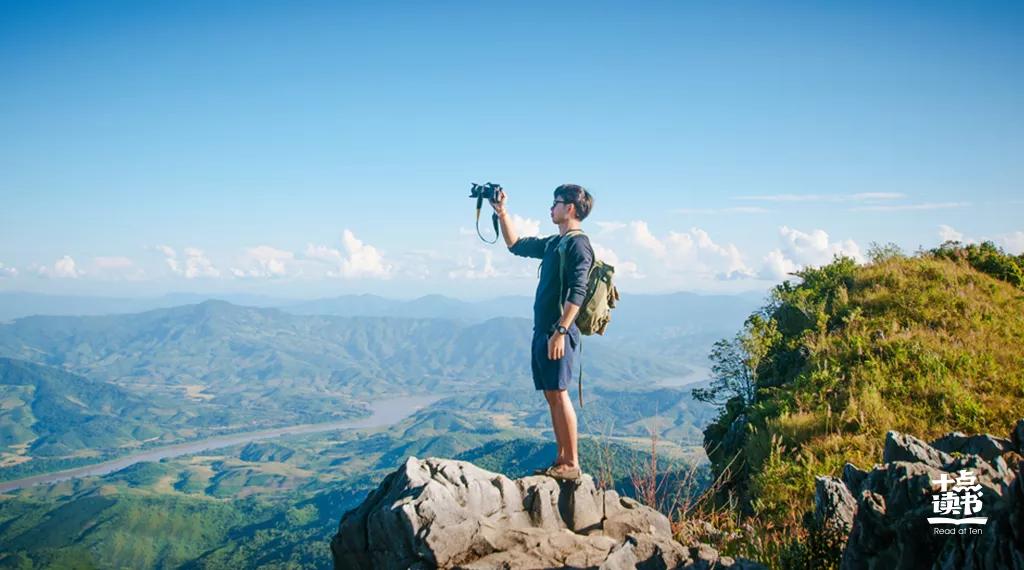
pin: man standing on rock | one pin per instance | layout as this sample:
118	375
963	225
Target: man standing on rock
556	339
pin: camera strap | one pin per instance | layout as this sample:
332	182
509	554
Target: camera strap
494	222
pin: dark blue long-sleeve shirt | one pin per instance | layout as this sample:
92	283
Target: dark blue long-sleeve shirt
579	256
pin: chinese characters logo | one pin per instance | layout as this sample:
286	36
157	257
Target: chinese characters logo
960	497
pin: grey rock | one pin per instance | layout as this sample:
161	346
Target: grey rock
894	501
440	513
903	447
622	557
834	506
986	446
853	477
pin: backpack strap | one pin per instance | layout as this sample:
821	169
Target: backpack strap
563	242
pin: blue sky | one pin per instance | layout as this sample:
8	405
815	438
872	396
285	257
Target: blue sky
327	148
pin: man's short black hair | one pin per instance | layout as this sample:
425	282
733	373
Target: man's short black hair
578	196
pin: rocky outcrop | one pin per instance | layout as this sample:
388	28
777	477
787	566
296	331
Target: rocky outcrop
885	510
440	513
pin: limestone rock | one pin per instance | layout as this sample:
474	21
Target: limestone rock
834	506
903	447
894	501
440	513
985	446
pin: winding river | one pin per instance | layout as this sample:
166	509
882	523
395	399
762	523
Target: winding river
384	412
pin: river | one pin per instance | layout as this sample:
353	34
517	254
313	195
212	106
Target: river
384	412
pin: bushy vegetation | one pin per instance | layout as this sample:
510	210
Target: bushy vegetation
925	344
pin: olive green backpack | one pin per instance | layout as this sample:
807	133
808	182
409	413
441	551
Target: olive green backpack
596	310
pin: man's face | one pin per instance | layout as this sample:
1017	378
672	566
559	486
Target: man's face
562	211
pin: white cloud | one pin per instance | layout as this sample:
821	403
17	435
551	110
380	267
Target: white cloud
198	265
947	233
776	266
264	262
63	268
641	235
727	254
800	249
525	226
1012	243
693	251
7	271
470	268
358	259
905	207
623	268
170	257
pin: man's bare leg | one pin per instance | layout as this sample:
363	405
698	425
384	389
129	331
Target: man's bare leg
552	396
563	419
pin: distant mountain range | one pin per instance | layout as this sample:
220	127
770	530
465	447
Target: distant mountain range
682	311
246	352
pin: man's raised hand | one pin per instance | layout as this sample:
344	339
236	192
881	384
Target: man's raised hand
498	202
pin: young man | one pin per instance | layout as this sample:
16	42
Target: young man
556	339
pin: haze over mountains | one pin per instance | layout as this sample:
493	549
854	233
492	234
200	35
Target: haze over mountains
709	310
75	387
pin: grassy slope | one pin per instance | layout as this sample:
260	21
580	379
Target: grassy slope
923	345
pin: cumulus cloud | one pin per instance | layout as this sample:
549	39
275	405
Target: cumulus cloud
264	262
800	249
691	251
198	265
623	268
192	264
526	226
641	236
777	266
1012	242
471	268
947	233
63	268
7	271
355	259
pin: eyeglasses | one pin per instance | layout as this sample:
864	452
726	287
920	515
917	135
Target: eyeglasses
557	202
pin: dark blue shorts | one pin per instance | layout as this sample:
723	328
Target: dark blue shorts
554	374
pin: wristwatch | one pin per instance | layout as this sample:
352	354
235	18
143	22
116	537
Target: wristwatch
560	329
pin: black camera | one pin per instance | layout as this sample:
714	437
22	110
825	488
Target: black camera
484	191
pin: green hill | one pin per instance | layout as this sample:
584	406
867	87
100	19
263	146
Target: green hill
926	345
55	413
246	357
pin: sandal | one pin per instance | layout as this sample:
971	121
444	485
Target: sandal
564	473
